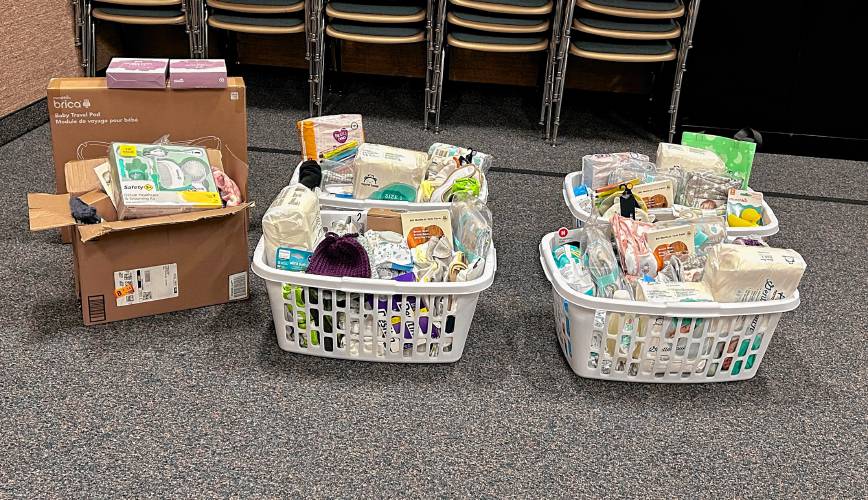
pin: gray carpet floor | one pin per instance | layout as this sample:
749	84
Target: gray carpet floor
204	403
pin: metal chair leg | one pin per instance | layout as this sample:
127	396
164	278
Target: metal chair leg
560	75
438	98
681	65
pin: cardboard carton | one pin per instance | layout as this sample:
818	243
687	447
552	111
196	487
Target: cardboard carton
141	267
86	116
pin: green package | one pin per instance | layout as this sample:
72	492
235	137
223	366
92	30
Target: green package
737	155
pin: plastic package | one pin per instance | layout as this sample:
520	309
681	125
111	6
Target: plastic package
739	273
471	223
603	265
569	260
596	168
387	173
636	257
736	155
292	227
330	137
708	191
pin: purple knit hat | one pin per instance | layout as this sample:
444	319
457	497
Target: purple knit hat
340	256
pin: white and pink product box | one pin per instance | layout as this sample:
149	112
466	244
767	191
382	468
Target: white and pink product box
132	73
197	73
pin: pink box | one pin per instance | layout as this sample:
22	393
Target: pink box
197	73
132	73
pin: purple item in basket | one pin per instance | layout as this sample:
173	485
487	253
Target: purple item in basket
197	73
132	73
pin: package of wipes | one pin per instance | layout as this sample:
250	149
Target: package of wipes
387	173
333	137
738	273
292	227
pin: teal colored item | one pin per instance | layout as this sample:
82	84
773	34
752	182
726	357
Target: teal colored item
395	192
736	155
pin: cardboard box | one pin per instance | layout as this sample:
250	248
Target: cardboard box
197	73
133	73
141	267
383	219
86	116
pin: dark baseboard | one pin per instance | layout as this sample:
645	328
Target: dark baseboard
18	123
846	148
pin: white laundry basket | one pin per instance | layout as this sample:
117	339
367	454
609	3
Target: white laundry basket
327	200
582	212
632	341
369	319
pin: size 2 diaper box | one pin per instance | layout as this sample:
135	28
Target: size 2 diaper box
142	267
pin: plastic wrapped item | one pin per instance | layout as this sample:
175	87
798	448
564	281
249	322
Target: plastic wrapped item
648	175
596	168
453	172
688	159
738	273
292	227
601	262
636	257
736	155
569	261
387	173
709	230
337	177
471	223
330	137
440	155
708	191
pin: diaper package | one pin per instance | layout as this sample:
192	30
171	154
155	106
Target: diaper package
738	273
687	158
334	137
387	173
596	168
292	227
148	180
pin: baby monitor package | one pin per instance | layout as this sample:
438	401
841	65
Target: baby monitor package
387	173
156	179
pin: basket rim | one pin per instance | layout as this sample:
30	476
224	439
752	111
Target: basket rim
687	309
260	267
770	229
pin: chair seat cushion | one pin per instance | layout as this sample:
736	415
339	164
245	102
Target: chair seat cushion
376	11
497	43
520	7
623	50
258	6
154	12
476	16
263	21
375	33
622	27
635	8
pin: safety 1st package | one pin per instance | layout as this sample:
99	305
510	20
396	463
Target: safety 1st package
738	273
148	180
334	137
387	173
292	227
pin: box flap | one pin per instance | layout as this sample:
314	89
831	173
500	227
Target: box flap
80	176
89	232
48	211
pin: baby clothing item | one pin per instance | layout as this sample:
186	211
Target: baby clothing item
340	256
310	174
82	212
432	259
388	253
229	191
636	257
